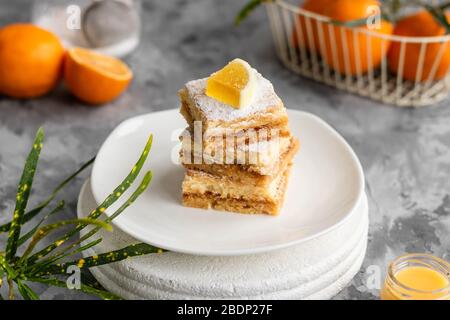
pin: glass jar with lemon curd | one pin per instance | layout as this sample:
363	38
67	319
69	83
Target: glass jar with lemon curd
417	277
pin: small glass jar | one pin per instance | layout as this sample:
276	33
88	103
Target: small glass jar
112	27
417	276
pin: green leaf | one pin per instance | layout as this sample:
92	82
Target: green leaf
48	262
7	268
247	10
34	212
23	193
141	188
390	9
29	234
444	5
26	291
396	5
133	250
86	246
357	22
126	183
44	231
438	14
3	265
88	279
84	288
10	289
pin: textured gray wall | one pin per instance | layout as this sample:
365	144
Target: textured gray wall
405	153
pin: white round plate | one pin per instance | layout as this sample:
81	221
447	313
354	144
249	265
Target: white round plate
325	186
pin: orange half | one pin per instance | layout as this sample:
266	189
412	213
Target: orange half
95	78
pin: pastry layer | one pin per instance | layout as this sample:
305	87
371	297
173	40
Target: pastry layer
252	175
234	150
240	140
200	182
227	202
266	111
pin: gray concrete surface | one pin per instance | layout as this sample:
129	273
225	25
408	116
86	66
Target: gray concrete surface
405	153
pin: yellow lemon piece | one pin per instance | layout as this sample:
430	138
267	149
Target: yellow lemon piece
233	85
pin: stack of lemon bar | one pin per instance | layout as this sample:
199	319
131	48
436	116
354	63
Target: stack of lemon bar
238	149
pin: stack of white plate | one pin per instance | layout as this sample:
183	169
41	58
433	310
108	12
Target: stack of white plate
311	251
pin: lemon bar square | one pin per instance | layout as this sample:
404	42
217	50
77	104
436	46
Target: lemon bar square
266	111
258	173
205	191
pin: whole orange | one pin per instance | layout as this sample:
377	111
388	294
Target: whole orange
95	78
30	61
346	50
306	33
420	24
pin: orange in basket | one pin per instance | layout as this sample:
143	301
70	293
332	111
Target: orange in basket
30	60
344	49
433	61
95	78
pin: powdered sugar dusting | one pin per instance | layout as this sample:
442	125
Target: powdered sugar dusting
265	97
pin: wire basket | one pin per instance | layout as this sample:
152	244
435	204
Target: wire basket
404	71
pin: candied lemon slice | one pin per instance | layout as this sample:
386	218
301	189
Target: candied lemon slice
233	85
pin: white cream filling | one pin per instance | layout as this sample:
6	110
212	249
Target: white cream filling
202	183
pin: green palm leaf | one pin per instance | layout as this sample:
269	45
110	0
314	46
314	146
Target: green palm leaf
133	250
26	291
141	188
20	269
23	193
438	14
44	265
34	212
113	197
42	232
84	288
247	10
30	234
